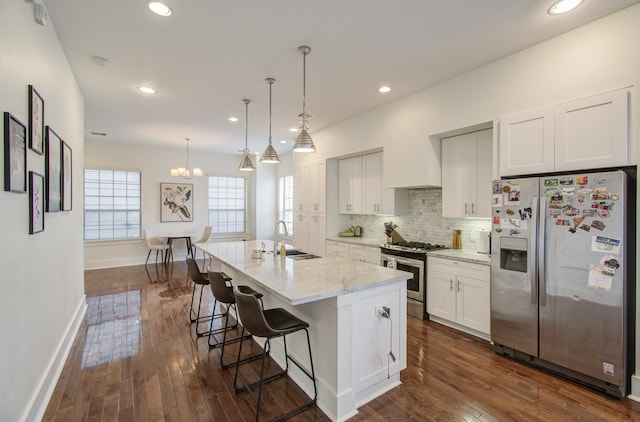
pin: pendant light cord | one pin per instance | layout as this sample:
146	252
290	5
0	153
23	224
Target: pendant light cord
271	80
246	125
304	84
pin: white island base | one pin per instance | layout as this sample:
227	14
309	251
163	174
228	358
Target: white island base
350	342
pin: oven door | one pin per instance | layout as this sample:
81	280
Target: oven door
415	285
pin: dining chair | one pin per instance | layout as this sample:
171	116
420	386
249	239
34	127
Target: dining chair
154	243
203	240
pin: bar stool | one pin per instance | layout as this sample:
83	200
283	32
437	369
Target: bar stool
199	279
222	290
269	324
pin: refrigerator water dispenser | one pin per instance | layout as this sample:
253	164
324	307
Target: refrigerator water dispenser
513	254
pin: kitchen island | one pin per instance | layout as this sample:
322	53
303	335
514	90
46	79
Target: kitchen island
350	341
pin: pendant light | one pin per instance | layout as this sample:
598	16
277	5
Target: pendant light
245	163
186	172
270	155
304	143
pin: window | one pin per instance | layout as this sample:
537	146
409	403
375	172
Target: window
228	204
111	204
285	203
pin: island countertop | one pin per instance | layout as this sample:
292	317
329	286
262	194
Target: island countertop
301	281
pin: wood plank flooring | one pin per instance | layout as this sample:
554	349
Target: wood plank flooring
137	358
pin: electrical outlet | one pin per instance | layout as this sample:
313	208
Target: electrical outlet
383	311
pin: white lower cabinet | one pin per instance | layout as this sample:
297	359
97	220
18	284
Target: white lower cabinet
458	292
361	253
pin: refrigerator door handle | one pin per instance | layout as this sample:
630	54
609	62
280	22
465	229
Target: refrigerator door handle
533	268
541	255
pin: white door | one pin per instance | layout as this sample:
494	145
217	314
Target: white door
473	304
526	143
372	171
484	160
317	186
301	188
301	231
441	295
592	132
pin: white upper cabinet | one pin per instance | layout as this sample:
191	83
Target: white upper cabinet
592	132
350	185
301	188
466	175
584	134
317	186
526	143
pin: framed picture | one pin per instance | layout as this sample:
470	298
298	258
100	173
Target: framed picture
66	177
176	202
52	164
15	154
36	121
36	202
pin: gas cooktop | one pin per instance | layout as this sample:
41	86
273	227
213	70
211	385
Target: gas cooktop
413	246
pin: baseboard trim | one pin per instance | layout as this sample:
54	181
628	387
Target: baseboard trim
42	395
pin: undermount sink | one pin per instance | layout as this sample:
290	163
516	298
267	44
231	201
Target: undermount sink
302	255
295	252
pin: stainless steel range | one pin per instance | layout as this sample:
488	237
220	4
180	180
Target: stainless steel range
411	257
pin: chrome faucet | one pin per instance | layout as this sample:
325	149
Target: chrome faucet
276	233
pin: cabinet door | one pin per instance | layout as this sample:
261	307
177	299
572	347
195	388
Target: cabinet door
350	185
317	234
301	231
592	132
472	308
372	170
338	249
317	186
441	295
365	254
301	188
526	143
458	174
484	159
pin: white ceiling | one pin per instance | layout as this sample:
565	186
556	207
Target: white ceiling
209	55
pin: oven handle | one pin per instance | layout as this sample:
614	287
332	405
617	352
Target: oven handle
410	262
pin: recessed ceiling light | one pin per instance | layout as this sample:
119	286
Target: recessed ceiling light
233	119
293	129
384	89
282	141
99	61
160	8
146	89
564	6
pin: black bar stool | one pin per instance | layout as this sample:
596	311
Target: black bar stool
270	323
222	290
199	279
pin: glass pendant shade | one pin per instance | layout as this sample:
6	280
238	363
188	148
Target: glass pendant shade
245	163
304	143
270	155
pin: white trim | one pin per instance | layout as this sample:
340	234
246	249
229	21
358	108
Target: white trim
41	396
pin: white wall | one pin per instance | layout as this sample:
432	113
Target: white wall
155	170
595	58
41	277
598	57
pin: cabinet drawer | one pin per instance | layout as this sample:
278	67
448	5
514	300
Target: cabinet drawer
364	253
467	269
337	249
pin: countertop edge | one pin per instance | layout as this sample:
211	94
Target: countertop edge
464	255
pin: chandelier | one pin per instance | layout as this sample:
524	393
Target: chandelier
186	171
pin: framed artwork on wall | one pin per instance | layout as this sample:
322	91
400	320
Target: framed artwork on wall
66	177
36	202
15	154
176	202
36	121
52	164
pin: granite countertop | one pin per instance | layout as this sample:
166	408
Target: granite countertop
466	255
302	281
364	241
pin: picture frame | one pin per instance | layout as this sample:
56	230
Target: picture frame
15	154
66	177
176	202
36	121
36	202
52	164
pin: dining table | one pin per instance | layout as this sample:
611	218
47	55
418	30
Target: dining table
177	236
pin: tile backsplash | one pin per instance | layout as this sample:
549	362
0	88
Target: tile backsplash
424	221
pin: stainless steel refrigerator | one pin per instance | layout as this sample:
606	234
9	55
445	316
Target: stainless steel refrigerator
560	275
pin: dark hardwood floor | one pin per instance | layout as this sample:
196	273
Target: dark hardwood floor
137	358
